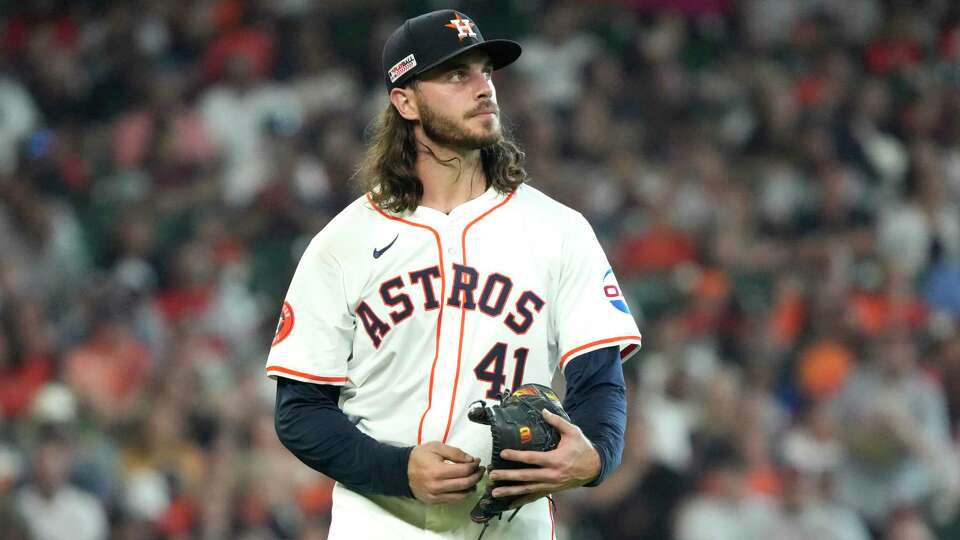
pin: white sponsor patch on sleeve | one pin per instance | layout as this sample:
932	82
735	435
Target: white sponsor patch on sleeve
402	67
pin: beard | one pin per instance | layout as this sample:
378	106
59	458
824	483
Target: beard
447	132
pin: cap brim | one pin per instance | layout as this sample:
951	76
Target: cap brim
503	52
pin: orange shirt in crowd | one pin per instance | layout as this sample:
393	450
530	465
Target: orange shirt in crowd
108	370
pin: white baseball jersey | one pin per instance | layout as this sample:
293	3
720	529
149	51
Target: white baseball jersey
418	316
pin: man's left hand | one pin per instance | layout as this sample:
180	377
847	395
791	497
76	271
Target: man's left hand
573	463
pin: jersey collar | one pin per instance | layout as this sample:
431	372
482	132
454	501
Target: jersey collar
468	210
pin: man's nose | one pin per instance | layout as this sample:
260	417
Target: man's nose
484	87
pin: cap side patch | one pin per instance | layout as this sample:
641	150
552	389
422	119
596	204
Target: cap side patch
402	67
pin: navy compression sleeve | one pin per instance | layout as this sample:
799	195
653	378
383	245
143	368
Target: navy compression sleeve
596	402
312	426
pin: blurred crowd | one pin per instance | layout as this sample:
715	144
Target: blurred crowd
776	183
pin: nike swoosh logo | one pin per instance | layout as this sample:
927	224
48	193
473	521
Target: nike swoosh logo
378	252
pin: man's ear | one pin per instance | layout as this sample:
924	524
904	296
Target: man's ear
405	103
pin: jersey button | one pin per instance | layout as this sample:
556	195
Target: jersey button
451	250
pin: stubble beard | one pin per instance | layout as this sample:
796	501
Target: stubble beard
445	131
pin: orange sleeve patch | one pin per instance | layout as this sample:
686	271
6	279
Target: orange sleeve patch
285	324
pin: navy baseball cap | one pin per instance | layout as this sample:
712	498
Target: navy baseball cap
426	41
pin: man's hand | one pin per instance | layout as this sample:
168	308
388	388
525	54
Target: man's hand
439	473
573	463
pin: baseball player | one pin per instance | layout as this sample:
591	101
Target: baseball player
449	281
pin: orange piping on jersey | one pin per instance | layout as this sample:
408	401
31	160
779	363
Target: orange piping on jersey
463	318
564	358
443	291
306	375
553	523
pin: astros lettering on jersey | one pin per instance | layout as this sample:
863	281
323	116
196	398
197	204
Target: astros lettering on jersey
419	315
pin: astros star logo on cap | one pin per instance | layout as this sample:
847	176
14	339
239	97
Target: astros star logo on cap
464	27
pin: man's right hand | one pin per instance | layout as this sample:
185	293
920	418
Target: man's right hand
439	473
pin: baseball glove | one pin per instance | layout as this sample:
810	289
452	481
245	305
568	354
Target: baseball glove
517	423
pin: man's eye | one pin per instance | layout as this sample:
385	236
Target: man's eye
457	75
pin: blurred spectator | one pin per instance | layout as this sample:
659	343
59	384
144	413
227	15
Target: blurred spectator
26	357
806	513
20	118
165	129
811	454
554	57
670	420
636	502
52	507
722	507
110	369
323	83
866	142
44	236
236	113
813	445
897	435
12	525
925	229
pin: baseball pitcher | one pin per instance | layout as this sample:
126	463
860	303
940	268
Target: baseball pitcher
449	285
